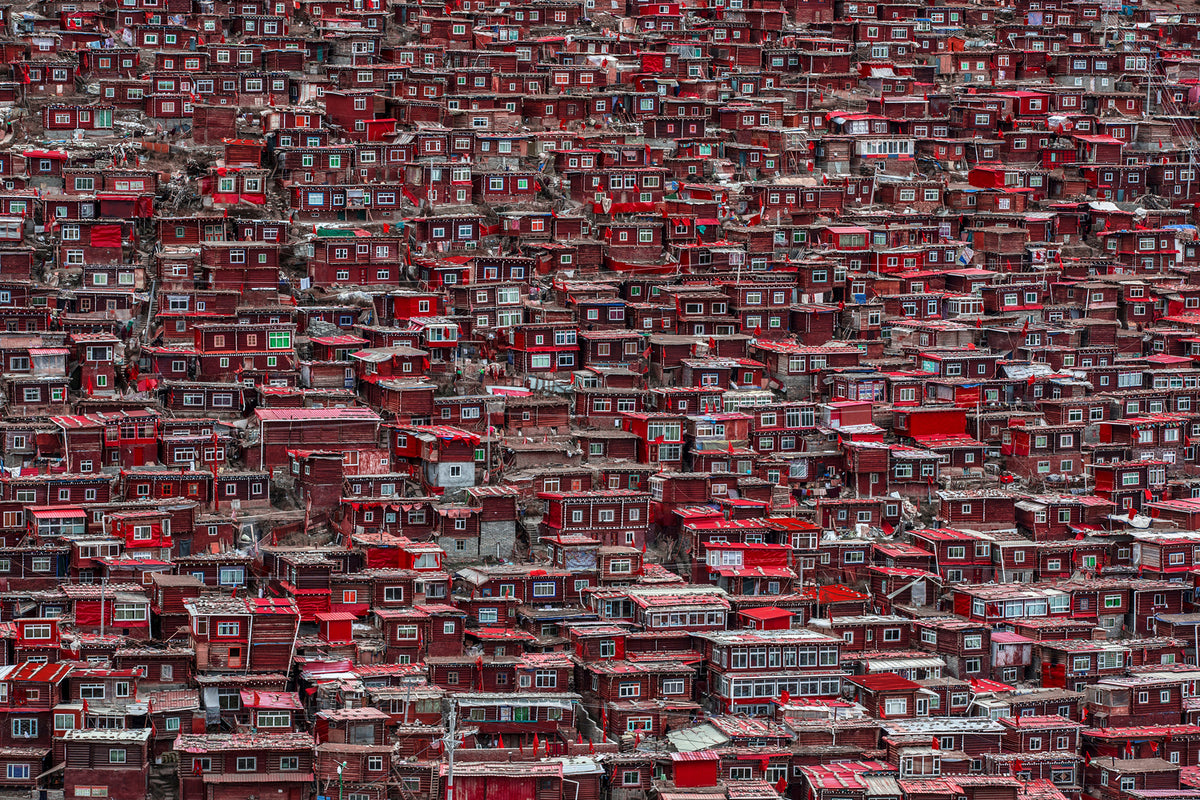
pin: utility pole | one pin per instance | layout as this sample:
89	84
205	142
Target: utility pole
409	683
451	738
341	784
103	586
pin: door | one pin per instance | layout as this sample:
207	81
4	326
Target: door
235	656
918	593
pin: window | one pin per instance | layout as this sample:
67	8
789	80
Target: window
116	755
247	764
92	691
274	719
895	705
37	631
26	728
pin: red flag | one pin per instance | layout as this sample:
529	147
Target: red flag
1017	766
1030	381
1132	513
1025	327
1149	497
935	743
979	322
782	786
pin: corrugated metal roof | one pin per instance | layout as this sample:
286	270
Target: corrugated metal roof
881	785
259	777
696	739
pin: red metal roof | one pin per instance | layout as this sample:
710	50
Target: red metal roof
883	682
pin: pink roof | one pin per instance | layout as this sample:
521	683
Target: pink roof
252	698
767	613
313	414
